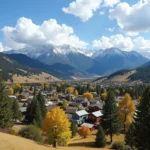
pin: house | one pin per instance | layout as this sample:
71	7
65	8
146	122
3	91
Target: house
95	117
24	95
95	107
90	126
12	96
79	117
80	99
94	102
71	110
23	110
49	103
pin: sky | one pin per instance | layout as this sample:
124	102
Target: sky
94	24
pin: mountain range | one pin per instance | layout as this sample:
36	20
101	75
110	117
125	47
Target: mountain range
13	71
82	62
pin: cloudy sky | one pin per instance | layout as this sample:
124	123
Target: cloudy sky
96	24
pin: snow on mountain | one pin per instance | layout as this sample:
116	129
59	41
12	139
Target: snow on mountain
93	61
146	54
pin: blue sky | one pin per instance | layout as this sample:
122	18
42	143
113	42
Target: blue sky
121	23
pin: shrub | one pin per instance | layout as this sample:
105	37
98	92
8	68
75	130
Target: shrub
31	132
12	131
120	146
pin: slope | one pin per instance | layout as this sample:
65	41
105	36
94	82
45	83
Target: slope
10	142
63	71
12	71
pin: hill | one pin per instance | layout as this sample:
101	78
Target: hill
141	73
63	71
10	142
13	71
100	62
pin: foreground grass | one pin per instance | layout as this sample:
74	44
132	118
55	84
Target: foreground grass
10	142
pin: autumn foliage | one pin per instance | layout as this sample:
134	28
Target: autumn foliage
84	131
126	110
69	90
56	125
11	91
103	96
88	95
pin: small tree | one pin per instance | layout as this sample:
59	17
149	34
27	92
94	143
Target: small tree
88	95
103	96
74	129
69	90
16	113
33	114
76	92
100	140
41	101
84	131
65	104
11	91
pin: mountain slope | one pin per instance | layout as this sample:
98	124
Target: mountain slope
100	62
63	71
114	59
9	68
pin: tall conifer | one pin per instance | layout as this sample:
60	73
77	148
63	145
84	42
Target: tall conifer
5	107
111	122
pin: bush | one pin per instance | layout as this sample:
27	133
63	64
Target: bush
31	132
120	146
12	131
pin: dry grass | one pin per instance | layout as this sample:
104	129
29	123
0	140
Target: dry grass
43	77
10	142
123	78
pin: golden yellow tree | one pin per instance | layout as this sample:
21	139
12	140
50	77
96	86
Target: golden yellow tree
17	85
126	110
69	90
103	96
76	92
11	91
56	127
84	131
88	95
42	86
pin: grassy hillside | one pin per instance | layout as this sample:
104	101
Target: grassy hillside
9	142
59	70
13	71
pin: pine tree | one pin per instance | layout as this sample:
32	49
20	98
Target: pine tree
73	129
111	122
41	101
129	137
33	114
100	140
5	107
142	122
16	113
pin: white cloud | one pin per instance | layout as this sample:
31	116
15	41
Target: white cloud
141	44
110	3
84	9
1	47
101	12
110	29
26	33
132	19
124	43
